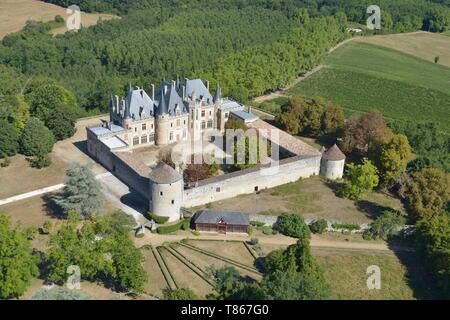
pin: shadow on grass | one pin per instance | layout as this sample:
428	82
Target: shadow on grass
372	209
418	278
51	208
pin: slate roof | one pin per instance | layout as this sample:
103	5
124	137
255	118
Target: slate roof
164	174
139	104
213	217
333	154
198	87
168	99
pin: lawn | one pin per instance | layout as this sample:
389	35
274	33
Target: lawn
312	198
362	76
185	277
402	278
156	283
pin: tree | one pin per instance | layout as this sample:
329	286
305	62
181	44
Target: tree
101	248
333	119
365	133
226	281
50	97
61	121
9	139
127	263
387	225
18	263
36	139
433	242
359	180
82	192
293	225
427	193
318	226
393	158
291	285
180	294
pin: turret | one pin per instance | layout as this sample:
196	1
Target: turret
332	163
166	192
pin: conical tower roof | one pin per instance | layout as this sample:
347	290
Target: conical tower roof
164	174
334	154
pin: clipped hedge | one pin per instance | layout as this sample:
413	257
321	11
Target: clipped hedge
158	219
173	227
257	224
346	226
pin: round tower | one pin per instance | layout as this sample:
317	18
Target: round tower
332	163
166	191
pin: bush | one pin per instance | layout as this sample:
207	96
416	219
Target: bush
292	225
186	224
196	233
41	161
387	225
368	234
257	224
254	241
171	228
267	230
346	226
6	162
47	227
318	226
31	233
158	219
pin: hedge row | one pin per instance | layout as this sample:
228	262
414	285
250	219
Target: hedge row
184	224
158	219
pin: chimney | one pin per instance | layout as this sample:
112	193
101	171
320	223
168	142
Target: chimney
184	92
207	84
165	88
153	91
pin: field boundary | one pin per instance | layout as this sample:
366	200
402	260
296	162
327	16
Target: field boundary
197	270
164	269
227	260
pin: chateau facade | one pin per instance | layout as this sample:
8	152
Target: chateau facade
175	112
185	112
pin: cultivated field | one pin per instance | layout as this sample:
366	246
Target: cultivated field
424	45
14	14
362	76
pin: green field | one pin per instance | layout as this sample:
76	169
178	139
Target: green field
362	76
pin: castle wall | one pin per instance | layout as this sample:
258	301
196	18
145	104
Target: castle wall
250	180
122	169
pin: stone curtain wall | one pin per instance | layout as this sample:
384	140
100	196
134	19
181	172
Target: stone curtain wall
246	181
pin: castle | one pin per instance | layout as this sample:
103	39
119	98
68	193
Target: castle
178	113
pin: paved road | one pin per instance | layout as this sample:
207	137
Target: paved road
42	191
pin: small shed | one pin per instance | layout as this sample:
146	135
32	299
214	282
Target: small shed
221	221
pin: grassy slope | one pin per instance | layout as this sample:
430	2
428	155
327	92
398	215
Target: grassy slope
363	76
424	45
402	278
